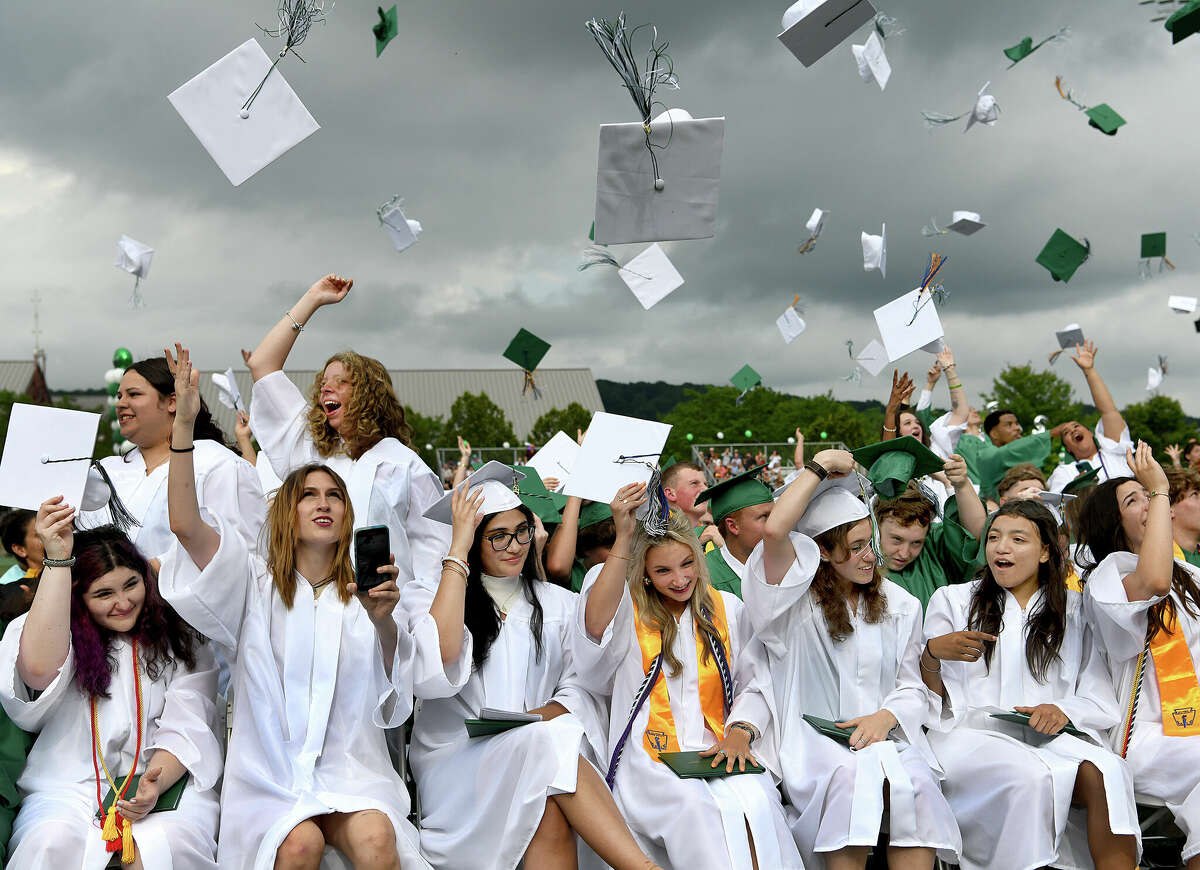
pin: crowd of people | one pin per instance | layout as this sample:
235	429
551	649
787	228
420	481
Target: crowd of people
920	649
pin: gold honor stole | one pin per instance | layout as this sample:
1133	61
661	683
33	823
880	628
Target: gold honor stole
1178	688
660	726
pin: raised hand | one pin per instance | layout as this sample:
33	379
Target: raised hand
187	385
838	463
1176	454
1085	355
466	516
798	454
329	290
55	527
624	507
902	390
1146	468
956	471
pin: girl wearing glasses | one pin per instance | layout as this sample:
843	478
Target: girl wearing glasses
494	635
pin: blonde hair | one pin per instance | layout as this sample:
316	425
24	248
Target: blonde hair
651	608
281	536
374	412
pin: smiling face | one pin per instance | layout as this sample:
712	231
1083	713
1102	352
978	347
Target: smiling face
855	562
335	395
901	544
1079	441
910	425
1133	503
1015	550
114	600
511	524
320	511
672	570
144	415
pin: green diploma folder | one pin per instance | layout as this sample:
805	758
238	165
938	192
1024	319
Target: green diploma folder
492	721
167	800
690	765
1023	719
830	729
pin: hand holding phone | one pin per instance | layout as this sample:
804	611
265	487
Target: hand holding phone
372	550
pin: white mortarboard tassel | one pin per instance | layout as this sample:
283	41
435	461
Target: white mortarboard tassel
816	223
872	61
986	111
404	232
134	257
227	390
874	250
813	28
650	276
791	324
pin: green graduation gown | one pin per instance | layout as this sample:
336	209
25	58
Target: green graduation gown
987	463
721	575
948	557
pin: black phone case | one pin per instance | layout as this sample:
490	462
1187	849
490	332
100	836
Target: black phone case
370	557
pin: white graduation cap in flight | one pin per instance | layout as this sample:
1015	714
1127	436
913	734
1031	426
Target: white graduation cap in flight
48	452
813	28
910	323
1067	337
873	358
966	223
872	61
650	276
633	204
874	250
495	480
227	390
1154	378
243	140
134	257
814	225
1182	304
986	110
616	451
791	324
555	459
404	232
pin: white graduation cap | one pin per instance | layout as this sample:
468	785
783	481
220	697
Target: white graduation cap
616	451
813	28
835	502
495	480
1182	304
47	452
873	358
404	232
965	222
872	62
816	222
875	251
134	257
651	276
986	110
630	204
227	390
791	324
1154	378
1069	336
910	323
555	459
243	141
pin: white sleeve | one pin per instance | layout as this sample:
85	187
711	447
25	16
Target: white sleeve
185	726
214	600
943	438
1093	707
432	678
1120	624
428	540
910	701
28	712
939	620
924	400
753	694
596	662
230	489
394	703
771	607
279	421
1061	476
580	701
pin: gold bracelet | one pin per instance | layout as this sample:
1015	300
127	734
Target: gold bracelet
619	556
1153	494
889	429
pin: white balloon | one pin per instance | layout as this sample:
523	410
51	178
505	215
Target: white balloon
113	376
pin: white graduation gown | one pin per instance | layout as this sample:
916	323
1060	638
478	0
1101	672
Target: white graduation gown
1167	768
56	826
688	823
482	799
389	484
311	701
1011	787
226	486
836	794
1110	459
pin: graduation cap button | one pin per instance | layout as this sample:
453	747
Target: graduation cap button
659	184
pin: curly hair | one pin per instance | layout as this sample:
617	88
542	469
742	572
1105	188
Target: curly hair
161	633
827	590
374	412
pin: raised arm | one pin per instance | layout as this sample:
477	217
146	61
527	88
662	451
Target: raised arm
902	389
464	462
798	453
1156	559
1085	358
273	350
605	595
449	604
560	552
46	635
197	537
778	552
972	515
241	431
958	393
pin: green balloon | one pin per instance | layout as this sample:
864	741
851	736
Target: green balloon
122	358
690	436
749	434
824	435
112	388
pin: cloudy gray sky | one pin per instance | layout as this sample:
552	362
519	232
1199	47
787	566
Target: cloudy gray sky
485	116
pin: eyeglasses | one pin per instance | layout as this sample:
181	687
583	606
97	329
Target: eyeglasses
501	540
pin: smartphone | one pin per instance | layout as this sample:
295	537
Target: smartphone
371	552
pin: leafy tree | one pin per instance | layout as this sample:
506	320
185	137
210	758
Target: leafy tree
426	431
1028	393
479	420
1158	421
567	419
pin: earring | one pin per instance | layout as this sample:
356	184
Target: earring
646	581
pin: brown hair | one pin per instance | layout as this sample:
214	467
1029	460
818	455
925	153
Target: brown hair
651	610
907	508
827	590
668	476
1019	473
374	412
1182	481
281	536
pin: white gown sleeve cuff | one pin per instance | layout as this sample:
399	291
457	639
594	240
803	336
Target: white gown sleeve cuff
25	710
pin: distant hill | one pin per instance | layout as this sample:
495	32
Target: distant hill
642	399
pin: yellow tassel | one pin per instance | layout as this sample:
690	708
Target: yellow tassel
110	831
127	850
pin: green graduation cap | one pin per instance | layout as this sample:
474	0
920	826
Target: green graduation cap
1154	244
892	464
527	350
1021	50
1082	483
1063	255
1184	22
1104	119
744	490
534	495
594	512
387	28
746	379
667	463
